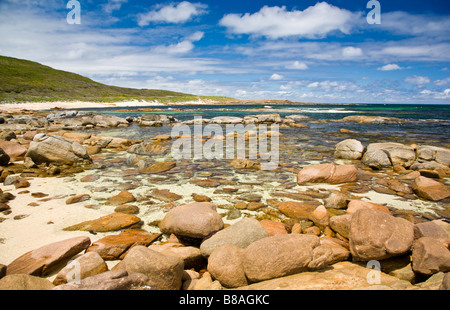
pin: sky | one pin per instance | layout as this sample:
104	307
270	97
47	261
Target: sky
306	51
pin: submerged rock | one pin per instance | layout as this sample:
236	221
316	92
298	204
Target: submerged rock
327	173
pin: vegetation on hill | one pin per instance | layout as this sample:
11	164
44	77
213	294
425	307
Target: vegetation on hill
27	81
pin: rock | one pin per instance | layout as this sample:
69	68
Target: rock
165	195
57	150
4	158
201	198
429	229
327	173
77	199
128	209
110	281
299	118
431	157
22	184
397	186
273	228
90	178
383	155
445	285
159	167
163	271
42	261
430	189
225	265
336	200
205	183
2	270
147	148
349	149
406	273
195	220
320	217
111	222
343	276
115	247
13	149
296	210
430	255
22	282
240	234
355	205
279	256
122	198
243	163
338	252
85	266
365	119
251	197
226	120
191	256
341	224
375	235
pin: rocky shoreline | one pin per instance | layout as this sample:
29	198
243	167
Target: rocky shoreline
129	217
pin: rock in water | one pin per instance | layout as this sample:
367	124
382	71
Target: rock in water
112	222
384	155
327	173
349	149
41	261
430	189
57	150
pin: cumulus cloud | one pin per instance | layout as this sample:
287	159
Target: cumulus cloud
351	51
276	77
417	79
172	13
390	67
113	5
276	22
297	65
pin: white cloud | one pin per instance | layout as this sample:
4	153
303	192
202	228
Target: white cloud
172	13
276	22
297	65
351	51
408	24
113	5
442	82
418	80
390	67
276	77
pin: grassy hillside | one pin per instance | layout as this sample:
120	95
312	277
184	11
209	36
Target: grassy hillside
27	81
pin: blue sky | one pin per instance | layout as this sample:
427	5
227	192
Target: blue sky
309	51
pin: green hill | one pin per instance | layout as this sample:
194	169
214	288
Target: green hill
27	81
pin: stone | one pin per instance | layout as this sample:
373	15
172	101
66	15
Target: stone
201	198
191	256
113	247
111	222
110	281
336	200
327	173
349	149
341	224
146	148
23	282
4	158
320	217
128	209
121	198
57	150
273	228
279	256
163	271
430	189
226	120
243	163
299	118
159	167
375	235
77	199
195	220
165	195
85	266
225	265
338	251
429	229
431	157
430	256
90	178
355	205
445	285
240	234
205	183
383	155
296	210
342	276
366	119
42	261
13	149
